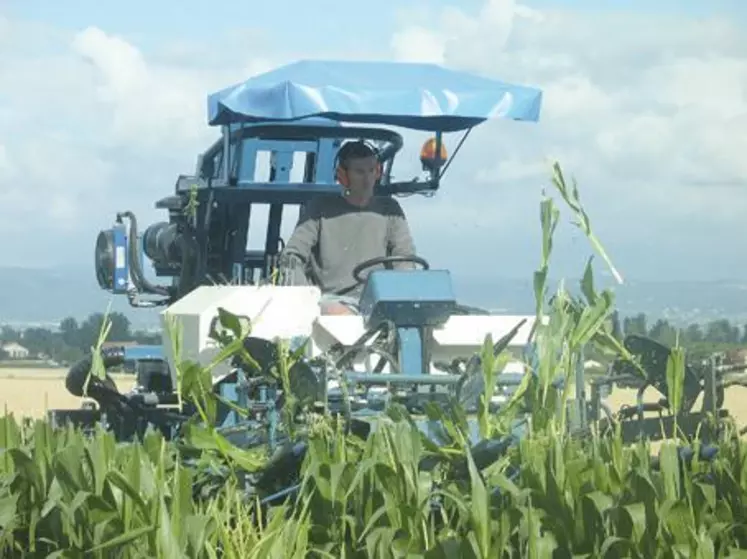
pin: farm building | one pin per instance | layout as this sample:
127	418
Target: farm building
737	357
15	350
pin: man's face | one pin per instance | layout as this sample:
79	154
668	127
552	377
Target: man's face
362	175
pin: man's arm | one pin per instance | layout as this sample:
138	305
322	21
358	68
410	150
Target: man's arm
297	254
400	238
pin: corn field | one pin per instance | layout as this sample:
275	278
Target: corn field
394	494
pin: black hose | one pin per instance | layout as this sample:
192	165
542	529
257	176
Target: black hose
76	377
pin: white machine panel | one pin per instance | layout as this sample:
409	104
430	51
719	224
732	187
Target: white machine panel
284	312
461	336
289	312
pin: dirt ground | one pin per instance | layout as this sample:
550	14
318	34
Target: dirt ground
30	392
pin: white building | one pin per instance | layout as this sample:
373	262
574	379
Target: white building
15	351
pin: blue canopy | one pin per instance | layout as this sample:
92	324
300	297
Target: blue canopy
409	95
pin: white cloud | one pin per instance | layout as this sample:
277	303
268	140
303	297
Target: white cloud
150	106
6	168
91	126
419	44
492	25
649	113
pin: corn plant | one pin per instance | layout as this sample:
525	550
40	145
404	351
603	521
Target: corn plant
396	493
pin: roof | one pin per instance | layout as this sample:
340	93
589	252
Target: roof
411	95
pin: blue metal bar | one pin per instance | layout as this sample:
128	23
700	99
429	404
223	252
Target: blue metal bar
229	393
411	352
282	493
370	379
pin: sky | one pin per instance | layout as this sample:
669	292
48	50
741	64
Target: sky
103	106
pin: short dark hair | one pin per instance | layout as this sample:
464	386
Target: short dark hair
355	149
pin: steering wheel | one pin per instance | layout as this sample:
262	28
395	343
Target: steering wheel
387	260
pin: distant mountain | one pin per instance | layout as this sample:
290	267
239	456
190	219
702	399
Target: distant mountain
46	296
680	302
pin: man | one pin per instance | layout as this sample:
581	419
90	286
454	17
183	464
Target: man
338	232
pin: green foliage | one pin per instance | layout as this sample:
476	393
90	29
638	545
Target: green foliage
74	339
63	494
395	494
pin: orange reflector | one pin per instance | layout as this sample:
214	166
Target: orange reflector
428	151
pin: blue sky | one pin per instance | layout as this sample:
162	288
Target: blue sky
642	103
177	19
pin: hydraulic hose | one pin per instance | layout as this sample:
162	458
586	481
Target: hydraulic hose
177	245
105	392
76	377
137	271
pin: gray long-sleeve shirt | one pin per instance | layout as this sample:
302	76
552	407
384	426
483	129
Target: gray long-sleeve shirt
334	236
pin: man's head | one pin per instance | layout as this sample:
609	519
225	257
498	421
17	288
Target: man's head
358	169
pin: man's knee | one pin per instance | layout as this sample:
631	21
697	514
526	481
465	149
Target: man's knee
338	306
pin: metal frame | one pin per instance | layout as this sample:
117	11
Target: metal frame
205	240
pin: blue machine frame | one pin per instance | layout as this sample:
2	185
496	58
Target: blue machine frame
413	301
309	107
300	107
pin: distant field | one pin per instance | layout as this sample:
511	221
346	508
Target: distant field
30	392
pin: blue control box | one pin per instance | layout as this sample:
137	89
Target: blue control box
408	297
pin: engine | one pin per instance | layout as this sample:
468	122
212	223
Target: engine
162	244
170	246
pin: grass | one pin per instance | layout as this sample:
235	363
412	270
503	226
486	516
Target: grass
394	494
